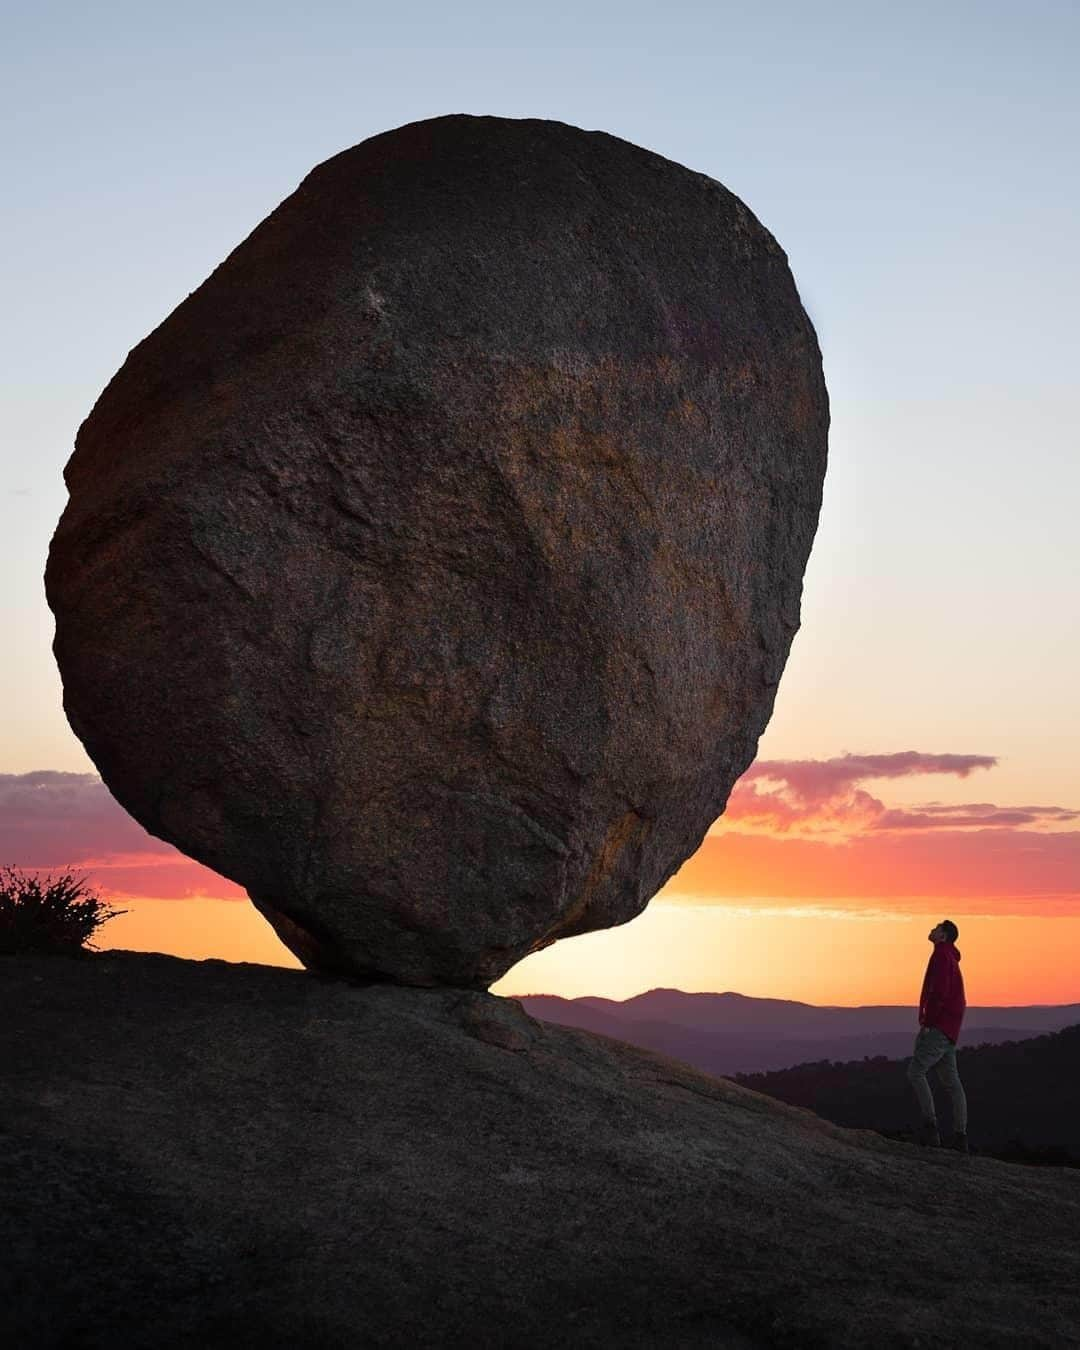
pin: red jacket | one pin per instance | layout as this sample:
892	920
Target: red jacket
942	1003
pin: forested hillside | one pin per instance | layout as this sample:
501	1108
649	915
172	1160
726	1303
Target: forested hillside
1023	1097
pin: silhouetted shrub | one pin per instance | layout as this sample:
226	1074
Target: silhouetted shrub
53	915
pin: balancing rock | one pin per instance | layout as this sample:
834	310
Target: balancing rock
431	569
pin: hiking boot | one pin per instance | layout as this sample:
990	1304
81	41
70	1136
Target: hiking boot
927	1134
958	1141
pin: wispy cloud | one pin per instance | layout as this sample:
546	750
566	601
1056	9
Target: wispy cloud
814	779
50	821
799	831
828	797
49	818
810	829
973	815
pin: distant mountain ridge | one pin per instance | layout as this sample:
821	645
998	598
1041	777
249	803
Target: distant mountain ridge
727	1033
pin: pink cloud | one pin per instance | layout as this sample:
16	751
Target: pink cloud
975	815
780	811
70	821
825	796
799	829
817	779
50	819
810	830
165	880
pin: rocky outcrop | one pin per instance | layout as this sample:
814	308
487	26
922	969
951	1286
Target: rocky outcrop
203	1154
430	570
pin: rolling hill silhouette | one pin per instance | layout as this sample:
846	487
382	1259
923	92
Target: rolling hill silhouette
729	1033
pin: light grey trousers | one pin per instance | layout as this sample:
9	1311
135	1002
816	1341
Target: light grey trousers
933	1047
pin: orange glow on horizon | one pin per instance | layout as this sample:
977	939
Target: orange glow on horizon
201	929
810	887
807	953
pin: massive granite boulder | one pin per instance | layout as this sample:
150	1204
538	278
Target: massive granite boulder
431	569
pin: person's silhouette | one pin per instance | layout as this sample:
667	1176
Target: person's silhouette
941	1011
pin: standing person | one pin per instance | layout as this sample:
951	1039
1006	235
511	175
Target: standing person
941	1010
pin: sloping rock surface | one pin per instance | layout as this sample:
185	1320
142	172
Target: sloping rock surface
204	1154
430	570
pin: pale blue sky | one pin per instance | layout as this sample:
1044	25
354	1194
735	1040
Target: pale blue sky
917	162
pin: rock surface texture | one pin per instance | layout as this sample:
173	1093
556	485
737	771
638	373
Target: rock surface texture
197	1154
430	570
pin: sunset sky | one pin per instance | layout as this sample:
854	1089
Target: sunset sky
918	165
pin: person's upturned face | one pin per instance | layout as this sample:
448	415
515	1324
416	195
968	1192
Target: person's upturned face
936	934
